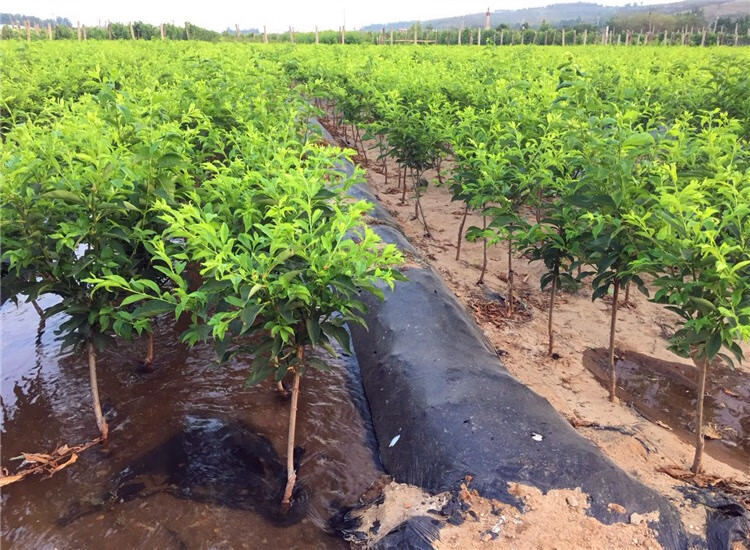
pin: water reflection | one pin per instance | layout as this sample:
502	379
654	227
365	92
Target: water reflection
194	456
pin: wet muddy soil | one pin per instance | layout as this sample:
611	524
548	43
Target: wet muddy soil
195	460
664	392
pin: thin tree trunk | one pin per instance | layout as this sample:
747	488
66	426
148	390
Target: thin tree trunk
100	420
461	233
38	309
538	209
510	277
415	183
418	207
551	309
612	325
484	261
627	293
291	475
280	384
362	145
403	194
439	173
149	360
699	442
354	137
385	159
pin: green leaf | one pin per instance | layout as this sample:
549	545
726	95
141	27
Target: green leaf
339	333
64	195
318	364
713	345
703	305
258	374
152	308
313	330
131	299
248	316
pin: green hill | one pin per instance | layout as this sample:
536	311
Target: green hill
580	13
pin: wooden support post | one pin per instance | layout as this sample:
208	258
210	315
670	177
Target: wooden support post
343	34
237	31
391	37
80	36
563	37
605	36
28	31
109	30
317	40
85	36
49	31
736	34
479	37
415	35
545	38
187	30
291	35
585	35
575	38
132	31
619	36
265	35
627	38
161	31
502	31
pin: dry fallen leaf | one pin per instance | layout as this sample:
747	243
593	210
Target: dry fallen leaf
40	463
711	433
7	480
62	450
36	457
70	461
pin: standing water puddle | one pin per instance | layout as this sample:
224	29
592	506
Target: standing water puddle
195	459
665	391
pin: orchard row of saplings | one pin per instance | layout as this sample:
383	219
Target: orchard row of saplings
131	166
110	199
615	192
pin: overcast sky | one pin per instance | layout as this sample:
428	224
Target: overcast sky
277	15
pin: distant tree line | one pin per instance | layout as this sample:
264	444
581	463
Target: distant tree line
17	18
628	29
64	30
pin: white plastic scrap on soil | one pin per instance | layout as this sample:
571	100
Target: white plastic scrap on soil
557	519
